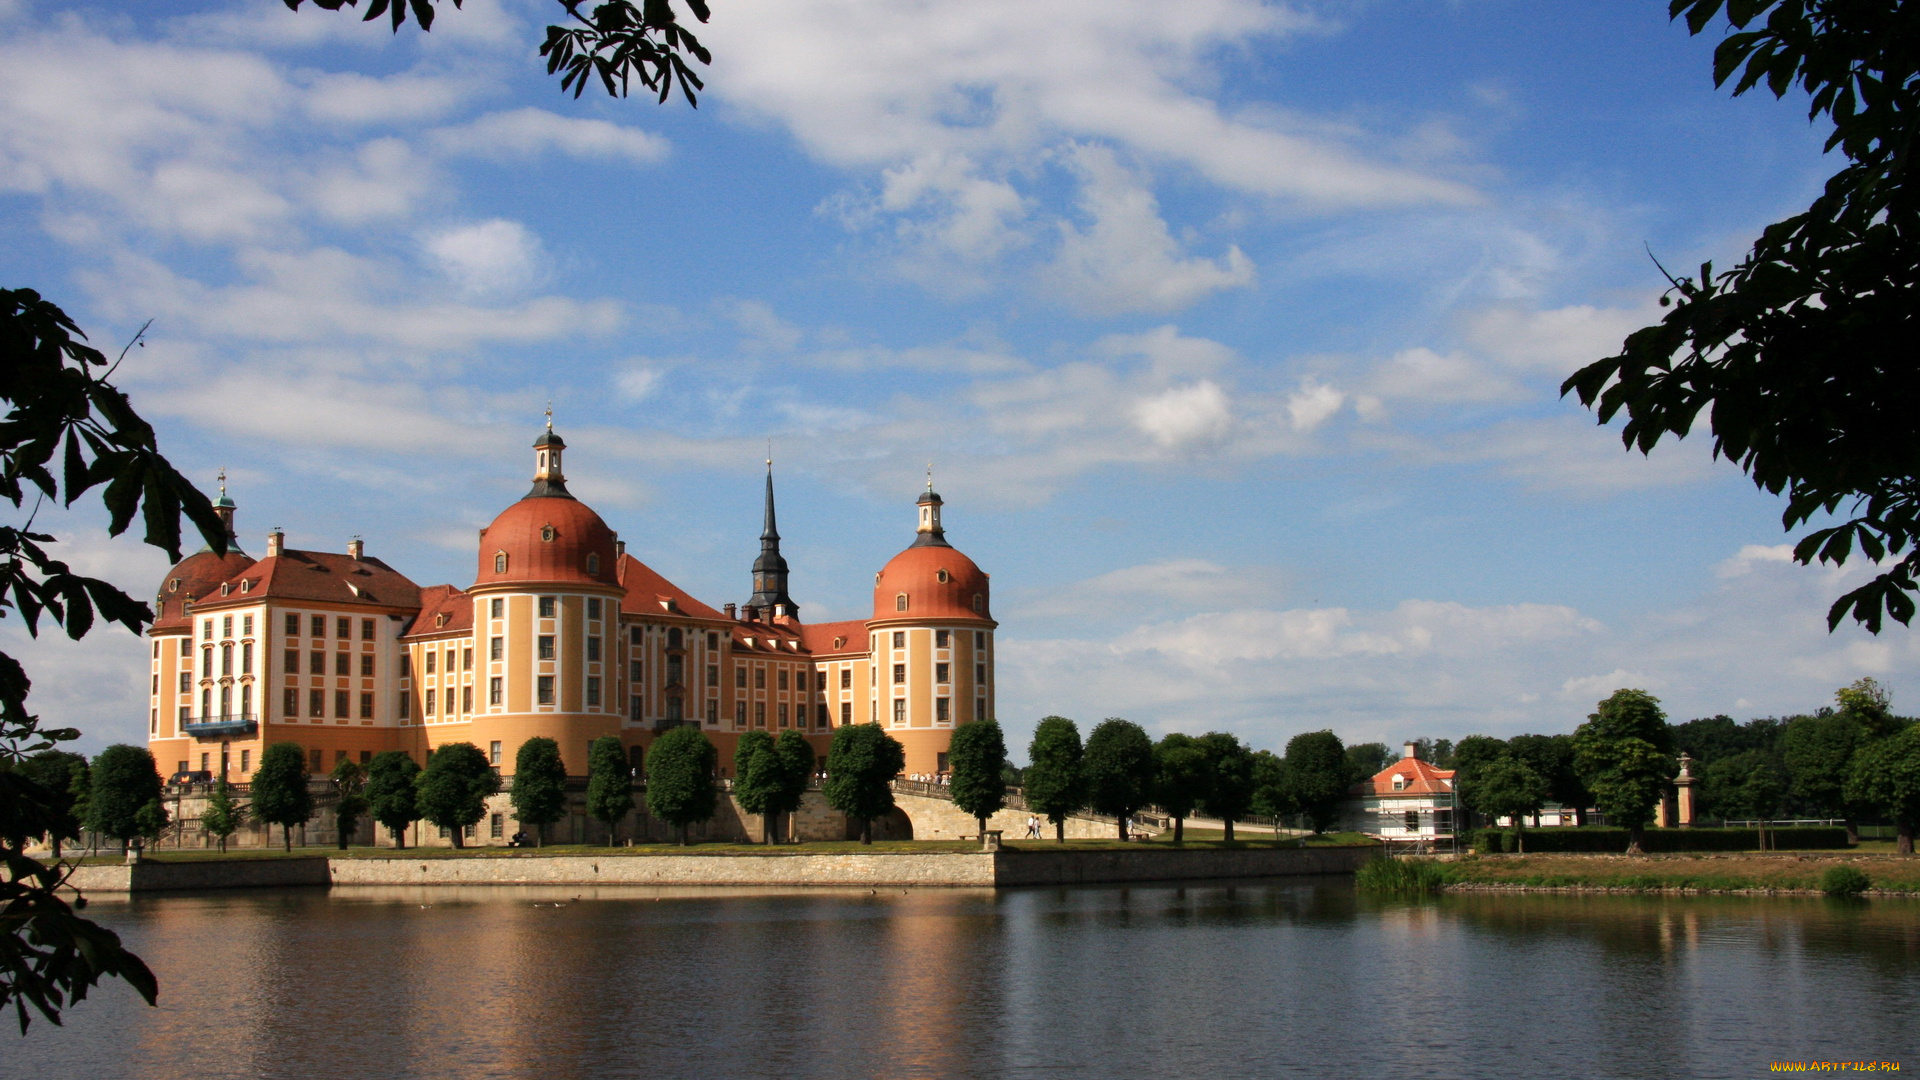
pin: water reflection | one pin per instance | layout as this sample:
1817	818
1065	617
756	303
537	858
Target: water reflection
1236	979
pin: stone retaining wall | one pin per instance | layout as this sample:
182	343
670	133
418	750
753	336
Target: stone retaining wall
1003	868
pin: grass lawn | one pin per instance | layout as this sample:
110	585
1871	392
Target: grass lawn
1709	872
838	847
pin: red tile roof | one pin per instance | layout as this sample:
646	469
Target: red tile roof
197	575
818	639
647	591
1421	779
443	610
319	576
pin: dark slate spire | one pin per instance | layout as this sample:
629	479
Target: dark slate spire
770	569
929	533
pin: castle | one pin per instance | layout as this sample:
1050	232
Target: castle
561	634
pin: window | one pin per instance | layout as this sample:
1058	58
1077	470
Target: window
226	626
290	702
206	662
636	672
343	627
942	639
290	662
547	533
343	663
942	673
673	670
593	691
449	667
900	602
942	711
846	713
226	700
713	711
899	674
366	629
674	640
499	567
206	630
979	640
1399	781
313	760
497	648
246	761
713	677
759	678
547	605
593	602
942	576
432	659
636	710
593	650
246	626
366	706
493	752
316	663
635	636
493	690
783	678
713	642
406	706
899	711
316	703
1412	821
186	679
846	678
497	607
497	826
226	659
293	626
673	709
740	713
427	702
546	647
593	565
466	658
246	699
340	702
759	714
406	665
740	678
980	674
544	689
466	699
186	648
366	665
899	639
317	626
783	714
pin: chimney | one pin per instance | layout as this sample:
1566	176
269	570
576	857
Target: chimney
619	549
732	611
356	548
1408	751
275	541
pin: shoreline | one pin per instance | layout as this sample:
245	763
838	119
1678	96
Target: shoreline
1717	874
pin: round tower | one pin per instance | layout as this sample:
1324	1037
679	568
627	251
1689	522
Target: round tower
932	642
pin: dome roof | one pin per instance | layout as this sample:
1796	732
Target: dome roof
938	583
549	539
197	574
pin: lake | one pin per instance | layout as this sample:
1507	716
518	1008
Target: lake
1271	978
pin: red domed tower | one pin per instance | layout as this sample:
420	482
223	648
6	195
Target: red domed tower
932	639
545	624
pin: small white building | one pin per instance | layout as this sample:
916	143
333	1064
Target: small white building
1408	802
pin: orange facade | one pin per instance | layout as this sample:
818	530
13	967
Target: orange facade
563	635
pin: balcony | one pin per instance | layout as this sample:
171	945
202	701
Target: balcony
224	724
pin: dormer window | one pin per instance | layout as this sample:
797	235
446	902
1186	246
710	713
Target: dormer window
942	577
900	602
225	588
593	564
980	602
173	585
440	619
499	562
1399	782
247	585
839	641
547	533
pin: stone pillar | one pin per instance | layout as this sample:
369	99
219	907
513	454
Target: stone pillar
1683	792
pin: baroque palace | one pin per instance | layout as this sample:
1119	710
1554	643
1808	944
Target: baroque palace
562	634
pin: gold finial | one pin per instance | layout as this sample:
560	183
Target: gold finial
549	414
769	451
223	481
929	476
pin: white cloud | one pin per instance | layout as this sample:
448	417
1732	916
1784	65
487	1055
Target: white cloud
1752	557
1558	340
1185	414
531	132
488	257
1156	589
1584	688
1313	404
637	382
1421	377
1125	260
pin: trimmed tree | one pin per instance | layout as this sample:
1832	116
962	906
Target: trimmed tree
1509	787
1180	779
221	818
1622	752
1317	776
758	779
280	795
393	792
796	771
63	775
1053	782
609	784
1230	783
124	783
539	794
349	778
680	784
454	788
978	757
1272	791
1886	777
1119	770
862	762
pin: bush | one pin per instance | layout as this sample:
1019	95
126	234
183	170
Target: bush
1844	881
1603	839
1402	877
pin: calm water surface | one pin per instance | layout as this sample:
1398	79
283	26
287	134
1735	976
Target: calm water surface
1290	978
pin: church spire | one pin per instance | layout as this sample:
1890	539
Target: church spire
928	531
770	569
547	450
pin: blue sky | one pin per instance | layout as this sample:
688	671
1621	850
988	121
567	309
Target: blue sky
1233	330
